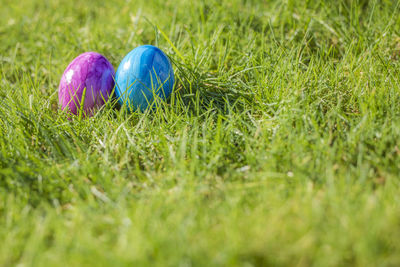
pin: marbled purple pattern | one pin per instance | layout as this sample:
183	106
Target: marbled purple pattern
89	70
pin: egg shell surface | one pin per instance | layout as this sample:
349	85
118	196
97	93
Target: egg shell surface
89	70
144	74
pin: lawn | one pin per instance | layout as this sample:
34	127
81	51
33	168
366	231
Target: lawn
278	147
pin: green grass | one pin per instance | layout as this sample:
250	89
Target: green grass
279	146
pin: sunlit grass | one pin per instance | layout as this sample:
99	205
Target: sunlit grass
278	147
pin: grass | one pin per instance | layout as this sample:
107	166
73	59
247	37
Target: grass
278	147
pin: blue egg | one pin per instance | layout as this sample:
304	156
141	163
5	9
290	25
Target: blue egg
145	74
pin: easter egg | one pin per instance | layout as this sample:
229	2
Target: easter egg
86	84
144	75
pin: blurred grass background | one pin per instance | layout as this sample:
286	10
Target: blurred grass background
278	147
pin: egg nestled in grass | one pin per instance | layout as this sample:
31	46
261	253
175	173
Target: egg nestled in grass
144	75
86	84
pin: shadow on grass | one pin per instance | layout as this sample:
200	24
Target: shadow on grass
199	91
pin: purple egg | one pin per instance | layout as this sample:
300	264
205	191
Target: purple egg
89	71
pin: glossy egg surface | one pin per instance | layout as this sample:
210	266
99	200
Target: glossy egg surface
144	74
91	73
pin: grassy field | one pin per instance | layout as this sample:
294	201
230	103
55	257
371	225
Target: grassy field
279	146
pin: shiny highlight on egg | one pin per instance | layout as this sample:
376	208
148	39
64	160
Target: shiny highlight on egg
143	76
86	84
